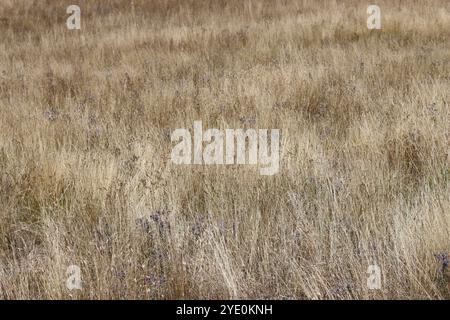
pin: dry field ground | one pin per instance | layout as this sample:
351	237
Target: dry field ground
85	142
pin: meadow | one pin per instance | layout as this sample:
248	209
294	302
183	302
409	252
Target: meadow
86	177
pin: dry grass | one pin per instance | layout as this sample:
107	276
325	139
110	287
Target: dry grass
86	179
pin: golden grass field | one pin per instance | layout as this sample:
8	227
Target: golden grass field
85	171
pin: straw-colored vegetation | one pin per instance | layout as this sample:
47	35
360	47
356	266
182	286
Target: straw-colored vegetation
85	171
